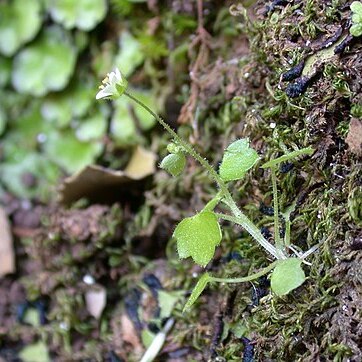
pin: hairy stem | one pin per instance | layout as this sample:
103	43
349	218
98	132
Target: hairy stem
247	278
278	242
187	147
250	227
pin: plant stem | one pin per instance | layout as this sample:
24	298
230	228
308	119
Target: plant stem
278	243
247	278
210	206
188	148
242	219
250	227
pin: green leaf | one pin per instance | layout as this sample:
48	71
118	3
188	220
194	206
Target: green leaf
123	128
45	65
45	172
94	127
174	163
238	158
130	55
197	236
287	276
356	29
68	152
71	103
167	301
36	352
19	22
356	7
82	14
199	288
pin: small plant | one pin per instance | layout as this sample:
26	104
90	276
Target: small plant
198	236
356	28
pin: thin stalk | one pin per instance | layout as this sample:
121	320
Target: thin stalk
210	206
247	278
249	226
187	147
278	242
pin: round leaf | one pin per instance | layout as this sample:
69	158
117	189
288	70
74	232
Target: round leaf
45	65
130	55
238	158
71	103
20	20
287	276
82	14
198	236
174	163
70	153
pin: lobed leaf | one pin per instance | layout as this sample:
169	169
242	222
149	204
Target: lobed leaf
287	276
83	14
45	65
19	23
238	158
197	236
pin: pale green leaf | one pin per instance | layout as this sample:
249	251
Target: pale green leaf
287	276
130	55
167	301
123	128
36	352
356	29
147	337
71	103
68	152
82	14
93	127
199	288
45	172
197	236
45	65
238	158
356	7
20	20
174	163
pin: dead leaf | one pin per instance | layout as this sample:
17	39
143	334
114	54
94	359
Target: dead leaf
7	256
142	164
97	180
95	300
354	137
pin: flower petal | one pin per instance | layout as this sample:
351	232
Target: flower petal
118	74
105	92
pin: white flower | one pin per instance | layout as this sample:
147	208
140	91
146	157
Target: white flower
114	85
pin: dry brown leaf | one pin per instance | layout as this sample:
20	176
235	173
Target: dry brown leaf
95	180
141	164
95	300
354	137
7	255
